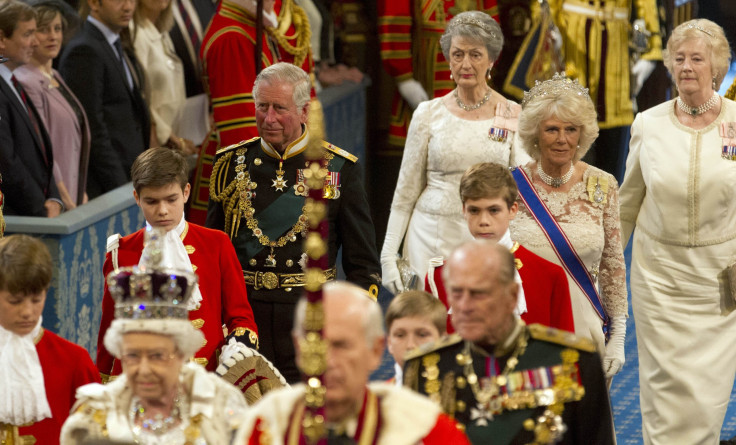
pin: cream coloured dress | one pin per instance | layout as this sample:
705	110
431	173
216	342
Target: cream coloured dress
595	232
210	409
439	148
681	195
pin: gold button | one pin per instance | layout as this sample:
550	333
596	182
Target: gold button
252	262
257	161
289	263
460	406
270	280
460	382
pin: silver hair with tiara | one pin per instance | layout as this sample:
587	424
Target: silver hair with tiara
554	87
473	22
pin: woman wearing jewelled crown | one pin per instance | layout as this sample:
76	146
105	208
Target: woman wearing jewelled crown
471	124
161	397
679	193
569	213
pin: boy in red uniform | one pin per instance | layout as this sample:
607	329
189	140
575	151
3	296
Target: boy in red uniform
40	371
161	190
489	192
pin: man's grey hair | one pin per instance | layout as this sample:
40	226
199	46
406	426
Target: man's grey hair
370	311
286	73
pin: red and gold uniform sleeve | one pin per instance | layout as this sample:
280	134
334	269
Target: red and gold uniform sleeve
229	67
395	35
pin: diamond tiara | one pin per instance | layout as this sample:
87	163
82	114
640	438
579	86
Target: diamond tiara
699	28
473	22
555	86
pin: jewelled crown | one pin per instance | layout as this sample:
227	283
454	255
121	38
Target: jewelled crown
555	86
150	291
473	22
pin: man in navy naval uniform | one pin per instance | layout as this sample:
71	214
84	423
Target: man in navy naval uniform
257	196
506	382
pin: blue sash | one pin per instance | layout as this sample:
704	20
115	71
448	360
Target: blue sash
559	242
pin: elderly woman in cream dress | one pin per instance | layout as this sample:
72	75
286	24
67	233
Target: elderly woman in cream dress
679	193
471	124
161	398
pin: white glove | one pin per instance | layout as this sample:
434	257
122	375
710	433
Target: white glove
390	277
413	92
615	358
235	351
641	71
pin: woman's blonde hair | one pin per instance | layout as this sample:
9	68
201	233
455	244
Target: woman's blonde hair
714	38
562	99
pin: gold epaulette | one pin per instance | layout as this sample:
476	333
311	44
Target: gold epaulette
447	340
564	338
339	151
233	146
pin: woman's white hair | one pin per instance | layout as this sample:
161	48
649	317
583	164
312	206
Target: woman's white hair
566	106
714	38
187	339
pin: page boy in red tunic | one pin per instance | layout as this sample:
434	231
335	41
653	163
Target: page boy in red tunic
489	193
39	371
160	179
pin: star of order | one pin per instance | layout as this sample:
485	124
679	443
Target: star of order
279	183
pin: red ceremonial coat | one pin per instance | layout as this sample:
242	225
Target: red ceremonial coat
228	62
224	296
409	32
66	366
545	290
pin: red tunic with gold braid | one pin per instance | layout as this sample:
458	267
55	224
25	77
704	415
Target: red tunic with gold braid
229	72
409	32
224	295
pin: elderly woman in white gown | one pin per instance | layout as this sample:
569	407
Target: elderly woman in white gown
679	192
569	213
471	124
161	397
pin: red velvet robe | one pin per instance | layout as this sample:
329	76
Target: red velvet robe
224	297
66	366
545	289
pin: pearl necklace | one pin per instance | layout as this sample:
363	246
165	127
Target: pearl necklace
552	181
472	107
694	111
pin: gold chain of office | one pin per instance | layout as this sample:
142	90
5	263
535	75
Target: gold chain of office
242	198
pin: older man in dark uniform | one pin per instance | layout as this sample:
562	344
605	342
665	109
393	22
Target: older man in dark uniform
506	382
257	196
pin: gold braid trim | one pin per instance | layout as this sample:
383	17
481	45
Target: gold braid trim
228	199
731	93
302	34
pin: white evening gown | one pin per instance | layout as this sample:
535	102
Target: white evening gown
439	148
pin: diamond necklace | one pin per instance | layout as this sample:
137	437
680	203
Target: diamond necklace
472	107
552	181
694	111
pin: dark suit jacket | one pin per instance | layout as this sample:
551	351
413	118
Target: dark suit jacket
26	174
179	37
118	117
